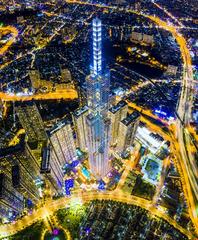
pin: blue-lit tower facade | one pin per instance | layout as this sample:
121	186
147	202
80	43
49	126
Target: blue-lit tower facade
98	125
98	81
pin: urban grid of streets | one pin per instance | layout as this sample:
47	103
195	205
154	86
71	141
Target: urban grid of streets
179	137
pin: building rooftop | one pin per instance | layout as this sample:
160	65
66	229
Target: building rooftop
80	111
118	106
91	118
58	126
45	162
131	118
5	151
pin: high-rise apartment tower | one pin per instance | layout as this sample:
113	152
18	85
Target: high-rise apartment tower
98	125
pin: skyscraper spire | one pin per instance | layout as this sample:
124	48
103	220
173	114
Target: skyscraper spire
97	124
98	82
97	46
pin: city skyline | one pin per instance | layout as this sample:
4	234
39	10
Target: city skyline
98	120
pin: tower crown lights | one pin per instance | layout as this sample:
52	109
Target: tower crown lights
97	46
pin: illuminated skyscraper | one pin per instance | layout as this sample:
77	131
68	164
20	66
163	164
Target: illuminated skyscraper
31	121
116	114
11	201
22	167
98	81
51	169
79	119
127	131
98	144
18	171
97	45
98	126
62	142
60	151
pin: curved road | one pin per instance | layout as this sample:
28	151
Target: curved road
52	206
14	33
187	163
